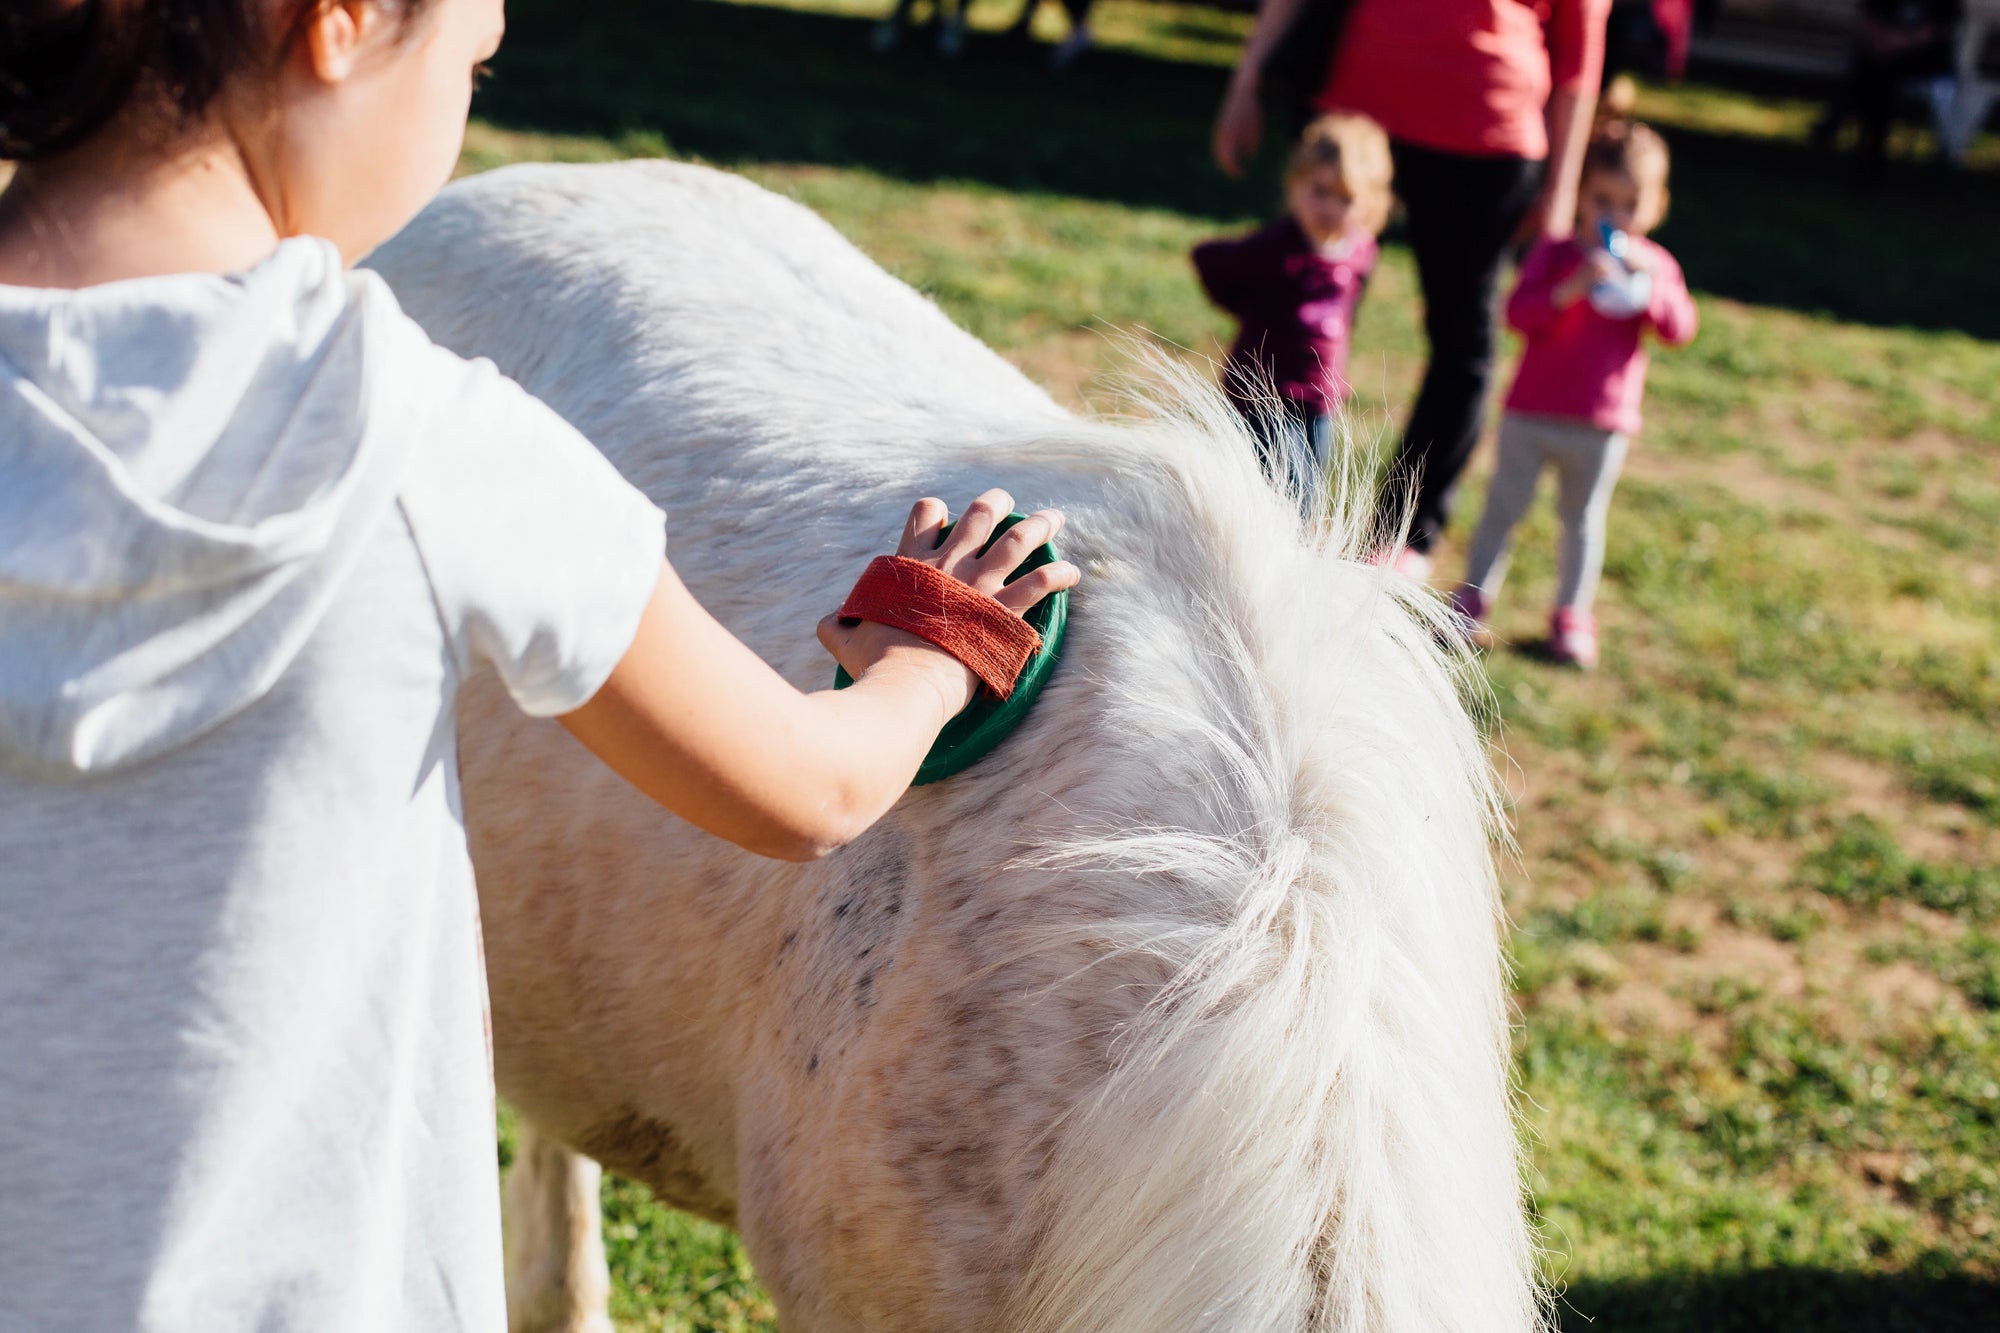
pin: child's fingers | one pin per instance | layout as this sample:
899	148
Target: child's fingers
920	533
959	557
1015	545
1031	587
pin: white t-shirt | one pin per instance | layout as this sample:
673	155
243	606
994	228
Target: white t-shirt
254	533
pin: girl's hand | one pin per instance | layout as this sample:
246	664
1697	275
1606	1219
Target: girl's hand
1597	266
862	646
1534	224
692	718
1239	126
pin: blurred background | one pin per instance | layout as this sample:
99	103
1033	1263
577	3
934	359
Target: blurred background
1757	896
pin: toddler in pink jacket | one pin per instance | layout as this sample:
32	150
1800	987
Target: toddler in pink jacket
1584	305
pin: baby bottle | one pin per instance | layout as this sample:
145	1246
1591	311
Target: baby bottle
1628	292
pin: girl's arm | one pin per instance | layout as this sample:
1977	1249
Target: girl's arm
701	724
1576	65
1671	311
1219	264
1547	286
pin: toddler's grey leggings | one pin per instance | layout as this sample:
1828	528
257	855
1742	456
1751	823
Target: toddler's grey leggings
1586	459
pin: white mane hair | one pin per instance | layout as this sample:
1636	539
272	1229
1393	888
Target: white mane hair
1195	1015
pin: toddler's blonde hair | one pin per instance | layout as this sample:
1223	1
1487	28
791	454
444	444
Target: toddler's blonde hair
1358	148
1618	143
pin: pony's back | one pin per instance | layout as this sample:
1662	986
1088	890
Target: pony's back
1182	1010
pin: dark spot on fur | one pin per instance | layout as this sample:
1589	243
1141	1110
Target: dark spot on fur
967	1168
785	944
812	1064
846	943
650	1152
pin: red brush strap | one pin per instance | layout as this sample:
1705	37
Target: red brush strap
992	641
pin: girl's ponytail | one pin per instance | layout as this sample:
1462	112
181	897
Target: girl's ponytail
66	66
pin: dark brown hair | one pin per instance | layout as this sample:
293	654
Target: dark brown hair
68	66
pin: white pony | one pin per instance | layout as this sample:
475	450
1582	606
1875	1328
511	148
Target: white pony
1183	1010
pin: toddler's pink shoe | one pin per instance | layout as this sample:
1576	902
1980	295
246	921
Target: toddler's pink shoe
1573	637
1473	607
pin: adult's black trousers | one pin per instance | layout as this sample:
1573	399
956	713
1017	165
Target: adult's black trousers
1461	213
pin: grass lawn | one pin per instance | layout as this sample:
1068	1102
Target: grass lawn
1758	895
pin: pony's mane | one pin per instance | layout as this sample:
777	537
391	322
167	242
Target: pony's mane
1321	1089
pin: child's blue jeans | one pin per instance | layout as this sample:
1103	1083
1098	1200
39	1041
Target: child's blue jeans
1295	446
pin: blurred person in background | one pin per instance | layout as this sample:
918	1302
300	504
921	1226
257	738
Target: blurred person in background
1649	37
1898	42
1293	287
949	17
1071	47
1488	107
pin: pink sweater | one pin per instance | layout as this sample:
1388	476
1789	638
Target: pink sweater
1466	76
1577	363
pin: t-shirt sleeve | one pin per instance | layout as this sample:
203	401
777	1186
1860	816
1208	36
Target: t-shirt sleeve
1531	305
1576	43
1221	267
541	557
1670	310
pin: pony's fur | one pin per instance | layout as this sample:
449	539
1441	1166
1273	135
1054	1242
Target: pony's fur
1183	1010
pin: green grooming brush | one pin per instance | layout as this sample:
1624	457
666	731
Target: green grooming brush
985	722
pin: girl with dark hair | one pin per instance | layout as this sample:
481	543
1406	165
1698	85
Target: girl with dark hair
255	530
1488	105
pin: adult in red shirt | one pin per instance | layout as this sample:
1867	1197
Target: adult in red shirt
1488	106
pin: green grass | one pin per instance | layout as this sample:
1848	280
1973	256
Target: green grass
1760	848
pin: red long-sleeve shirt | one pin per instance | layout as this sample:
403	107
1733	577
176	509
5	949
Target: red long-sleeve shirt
1466	76
1580	364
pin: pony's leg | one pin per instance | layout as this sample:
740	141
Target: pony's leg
557	1280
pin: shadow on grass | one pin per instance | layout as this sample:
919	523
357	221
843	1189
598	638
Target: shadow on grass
1762	220
1783	1300
736	83
1775	223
